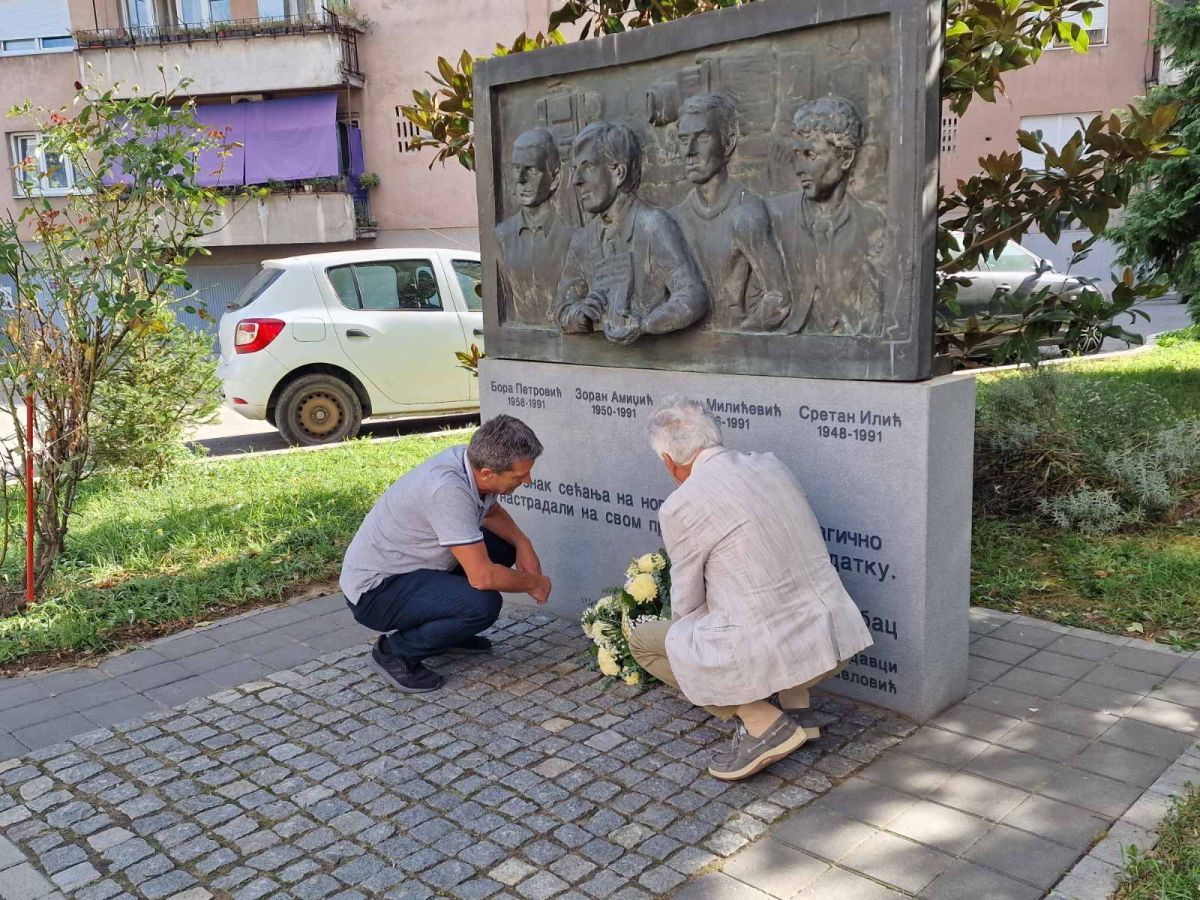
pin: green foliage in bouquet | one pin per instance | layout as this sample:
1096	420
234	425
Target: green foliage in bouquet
645	596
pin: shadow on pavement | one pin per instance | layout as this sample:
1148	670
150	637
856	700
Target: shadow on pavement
257	443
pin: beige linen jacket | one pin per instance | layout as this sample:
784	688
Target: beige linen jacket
756	605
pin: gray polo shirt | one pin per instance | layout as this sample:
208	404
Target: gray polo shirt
414	524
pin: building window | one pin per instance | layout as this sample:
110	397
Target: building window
407	133
176	13
1055	130
21	46
1097	31
949	133
49	174
289	9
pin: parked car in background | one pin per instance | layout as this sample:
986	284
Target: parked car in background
315	344
1017	271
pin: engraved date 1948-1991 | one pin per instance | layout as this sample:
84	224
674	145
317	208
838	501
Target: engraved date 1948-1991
842	433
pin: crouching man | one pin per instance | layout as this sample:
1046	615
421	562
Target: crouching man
757	608
430	559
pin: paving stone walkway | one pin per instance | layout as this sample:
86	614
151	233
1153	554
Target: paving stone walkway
1000	796
39	710
526	777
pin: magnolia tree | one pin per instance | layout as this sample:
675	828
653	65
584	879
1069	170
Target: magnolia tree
985	39
1161	228
88	325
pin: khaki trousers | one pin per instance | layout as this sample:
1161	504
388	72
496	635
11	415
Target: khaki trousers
648	643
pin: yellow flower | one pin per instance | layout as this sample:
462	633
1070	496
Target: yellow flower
587	629
646	563
601	631
642	587
633	678
659	561
608	665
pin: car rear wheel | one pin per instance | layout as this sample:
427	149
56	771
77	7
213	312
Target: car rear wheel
318	409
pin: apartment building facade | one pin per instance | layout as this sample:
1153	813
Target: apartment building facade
1051	97
312	94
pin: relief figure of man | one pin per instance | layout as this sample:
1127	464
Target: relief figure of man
628	272
533	242
833	243
726	225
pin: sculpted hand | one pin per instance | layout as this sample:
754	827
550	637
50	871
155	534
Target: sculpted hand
626	331
542	592
527	560
592	306
771	311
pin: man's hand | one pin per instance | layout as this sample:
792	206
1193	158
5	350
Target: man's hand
527	559
542	592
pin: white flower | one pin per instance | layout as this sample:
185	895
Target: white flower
646	563
642	587
608	665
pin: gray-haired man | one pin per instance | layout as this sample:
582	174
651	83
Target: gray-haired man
430	559
756	607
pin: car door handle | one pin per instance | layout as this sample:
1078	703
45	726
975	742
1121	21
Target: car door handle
355	333
1004	288
478	332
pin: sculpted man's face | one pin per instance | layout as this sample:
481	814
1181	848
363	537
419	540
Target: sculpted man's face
532	176
597	180
820	165
702	146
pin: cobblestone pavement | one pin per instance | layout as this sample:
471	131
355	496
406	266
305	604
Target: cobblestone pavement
524	777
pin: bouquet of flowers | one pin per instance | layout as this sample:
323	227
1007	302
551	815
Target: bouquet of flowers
645	596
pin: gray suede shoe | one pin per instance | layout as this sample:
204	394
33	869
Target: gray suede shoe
747	755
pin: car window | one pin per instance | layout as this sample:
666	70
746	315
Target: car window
1014	259
342	279
404	284
258	284
470	280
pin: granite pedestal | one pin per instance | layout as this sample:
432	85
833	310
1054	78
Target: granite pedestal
887	468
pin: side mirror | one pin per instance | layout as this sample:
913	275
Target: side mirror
1045	265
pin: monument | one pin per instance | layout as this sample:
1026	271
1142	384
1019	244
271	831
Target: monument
738	207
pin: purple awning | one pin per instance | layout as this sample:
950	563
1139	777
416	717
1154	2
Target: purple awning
215	169
288	139
291	138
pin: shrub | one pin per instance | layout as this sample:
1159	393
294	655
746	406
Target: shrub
1087	511
1091	454
165	383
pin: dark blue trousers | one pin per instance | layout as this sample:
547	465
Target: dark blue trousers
427	611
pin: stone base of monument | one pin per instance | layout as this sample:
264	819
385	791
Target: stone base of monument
886	466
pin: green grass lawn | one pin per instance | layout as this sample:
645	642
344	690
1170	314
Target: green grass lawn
1171	871
1145	583
217	535
1142	582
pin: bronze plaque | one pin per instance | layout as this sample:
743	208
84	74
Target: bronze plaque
751	191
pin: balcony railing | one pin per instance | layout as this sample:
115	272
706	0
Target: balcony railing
164	35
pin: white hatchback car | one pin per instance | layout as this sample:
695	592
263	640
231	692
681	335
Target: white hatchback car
315	344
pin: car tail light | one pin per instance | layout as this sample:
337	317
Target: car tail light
254	334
